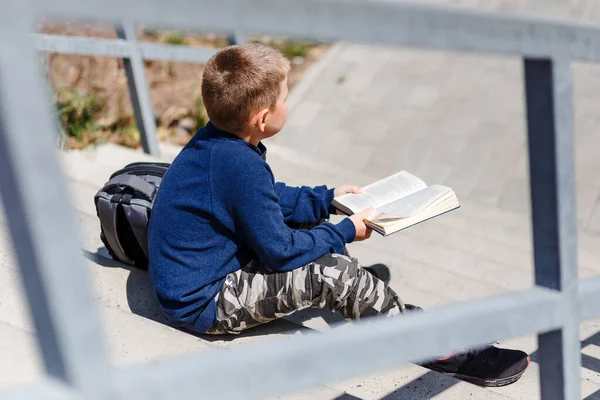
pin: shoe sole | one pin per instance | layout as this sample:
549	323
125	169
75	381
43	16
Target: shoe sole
484	382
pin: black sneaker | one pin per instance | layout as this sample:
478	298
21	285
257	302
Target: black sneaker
411	307
487	366
380	271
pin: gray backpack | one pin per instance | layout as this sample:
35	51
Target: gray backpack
124	206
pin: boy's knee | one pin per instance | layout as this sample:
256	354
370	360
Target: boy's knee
345	266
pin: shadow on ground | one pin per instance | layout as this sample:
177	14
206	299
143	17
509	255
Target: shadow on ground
142	301
587	361
424	387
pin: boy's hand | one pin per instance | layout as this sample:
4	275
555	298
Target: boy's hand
362	231
345	189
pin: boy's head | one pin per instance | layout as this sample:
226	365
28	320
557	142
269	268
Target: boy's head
244	89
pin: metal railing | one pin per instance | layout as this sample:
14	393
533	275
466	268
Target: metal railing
58	288
133	53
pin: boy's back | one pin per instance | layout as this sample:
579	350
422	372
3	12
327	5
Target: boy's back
188	237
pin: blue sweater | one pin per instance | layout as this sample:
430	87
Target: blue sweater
218	207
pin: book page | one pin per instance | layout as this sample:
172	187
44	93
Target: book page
414	203
393	187
382	192
386	225
356	202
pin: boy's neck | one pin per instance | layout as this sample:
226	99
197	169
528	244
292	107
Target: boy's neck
248	136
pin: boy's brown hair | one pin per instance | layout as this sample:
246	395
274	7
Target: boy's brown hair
240	80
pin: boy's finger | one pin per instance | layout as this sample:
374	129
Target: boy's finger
368	213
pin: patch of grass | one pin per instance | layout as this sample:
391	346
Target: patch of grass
290	49
295	49
76	111
175	38
126	135
132	133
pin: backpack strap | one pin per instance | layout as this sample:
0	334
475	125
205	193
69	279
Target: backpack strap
107	211
137	216
134	182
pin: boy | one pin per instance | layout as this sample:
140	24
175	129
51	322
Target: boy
223	257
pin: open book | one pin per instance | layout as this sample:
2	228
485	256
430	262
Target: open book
400	200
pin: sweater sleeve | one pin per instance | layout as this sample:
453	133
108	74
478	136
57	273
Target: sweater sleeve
304	204
248	193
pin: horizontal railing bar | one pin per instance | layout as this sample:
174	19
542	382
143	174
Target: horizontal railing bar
421	25
589	297
364	348
120	48
82	45
153	51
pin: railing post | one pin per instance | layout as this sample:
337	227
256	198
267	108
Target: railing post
237	37
41	224
548	85
138	89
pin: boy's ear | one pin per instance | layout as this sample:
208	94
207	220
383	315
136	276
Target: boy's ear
261	119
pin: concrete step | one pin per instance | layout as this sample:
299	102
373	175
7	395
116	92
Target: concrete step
506	235
528	387
408	382
322	392
490	248
115	285
134	325
82	166
81	196
500	227
168	151
94	165
431	257
508	239
413	383
130	338
112	155
438	268
20	363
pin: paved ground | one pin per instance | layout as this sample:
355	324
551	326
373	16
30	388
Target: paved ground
361	113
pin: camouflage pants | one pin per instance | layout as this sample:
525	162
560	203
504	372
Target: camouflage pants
254	295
